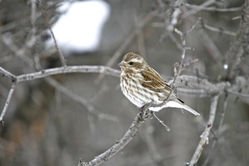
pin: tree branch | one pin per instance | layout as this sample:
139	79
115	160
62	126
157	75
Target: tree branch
212	9
7	74
7	101
206	132
67	69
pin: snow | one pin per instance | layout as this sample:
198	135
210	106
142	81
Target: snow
79	27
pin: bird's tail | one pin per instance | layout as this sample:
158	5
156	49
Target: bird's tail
177	103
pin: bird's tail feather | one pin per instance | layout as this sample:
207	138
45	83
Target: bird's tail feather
179	104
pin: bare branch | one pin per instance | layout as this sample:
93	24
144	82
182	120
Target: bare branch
161	122
7	74
218	30
196	10
61	56
212	9
68	69
29	43
178	69
204	136
7	101
219	129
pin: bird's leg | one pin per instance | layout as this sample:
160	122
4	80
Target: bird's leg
145	112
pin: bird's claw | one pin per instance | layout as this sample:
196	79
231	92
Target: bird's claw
145	113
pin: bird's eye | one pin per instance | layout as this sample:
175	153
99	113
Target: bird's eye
131	63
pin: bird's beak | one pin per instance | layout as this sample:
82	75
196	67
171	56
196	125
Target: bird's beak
121	64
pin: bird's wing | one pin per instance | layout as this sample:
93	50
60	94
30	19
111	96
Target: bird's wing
154	81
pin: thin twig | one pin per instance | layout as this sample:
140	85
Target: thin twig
31	41
7	74
60	53
196	10
204	25
61	56
7	101
213	9
204	136
179	68
218	30
161	122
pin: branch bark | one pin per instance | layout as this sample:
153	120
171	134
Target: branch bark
67	69
11	91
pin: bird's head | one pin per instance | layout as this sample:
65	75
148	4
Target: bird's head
132	62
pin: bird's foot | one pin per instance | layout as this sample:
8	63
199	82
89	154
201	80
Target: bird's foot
145	113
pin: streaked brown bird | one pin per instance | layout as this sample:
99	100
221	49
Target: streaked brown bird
141	84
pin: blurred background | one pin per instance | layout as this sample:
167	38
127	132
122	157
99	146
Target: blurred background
62	119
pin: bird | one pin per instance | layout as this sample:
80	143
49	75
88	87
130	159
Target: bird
141	85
